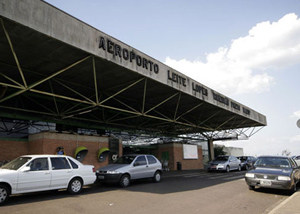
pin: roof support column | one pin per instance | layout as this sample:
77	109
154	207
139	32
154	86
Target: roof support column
210	143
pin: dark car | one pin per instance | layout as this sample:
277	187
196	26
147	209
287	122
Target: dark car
246	161
131	167
276	172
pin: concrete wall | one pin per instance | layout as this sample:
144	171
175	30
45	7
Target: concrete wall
234	151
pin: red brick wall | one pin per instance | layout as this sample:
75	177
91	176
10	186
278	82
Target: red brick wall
176	155
47	142
10	149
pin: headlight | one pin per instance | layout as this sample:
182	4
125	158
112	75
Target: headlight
284	178
249	175
112	172
220	164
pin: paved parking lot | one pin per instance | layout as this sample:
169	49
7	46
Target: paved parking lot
179	192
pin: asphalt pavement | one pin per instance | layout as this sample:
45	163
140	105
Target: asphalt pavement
291	205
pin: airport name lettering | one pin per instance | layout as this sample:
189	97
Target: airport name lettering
220	98
235	106
177	78
199	88
225	101
117	50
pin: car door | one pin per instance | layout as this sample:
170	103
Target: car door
61	172
140	168
36	178
233	161
152	165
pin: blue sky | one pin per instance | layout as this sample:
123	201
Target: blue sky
247	50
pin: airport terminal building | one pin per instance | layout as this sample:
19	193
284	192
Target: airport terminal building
65	84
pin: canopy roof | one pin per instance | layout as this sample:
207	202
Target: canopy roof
55	68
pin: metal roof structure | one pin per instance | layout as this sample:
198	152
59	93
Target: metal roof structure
54	68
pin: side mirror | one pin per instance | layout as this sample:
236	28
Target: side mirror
25	169
136	164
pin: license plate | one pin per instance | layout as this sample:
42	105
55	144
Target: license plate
101	177
265	183
213	167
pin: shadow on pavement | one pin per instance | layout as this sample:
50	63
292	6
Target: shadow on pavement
172	182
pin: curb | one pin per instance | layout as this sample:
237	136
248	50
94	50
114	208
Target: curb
273	211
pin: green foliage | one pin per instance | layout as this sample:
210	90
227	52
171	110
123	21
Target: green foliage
219	150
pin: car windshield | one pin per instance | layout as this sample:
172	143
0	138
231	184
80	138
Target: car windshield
16	163
273	162
221	158
125	159
243	158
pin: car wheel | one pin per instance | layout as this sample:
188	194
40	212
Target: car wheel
294	189
227	169
125	181
4	194
157	177
75	186
251	187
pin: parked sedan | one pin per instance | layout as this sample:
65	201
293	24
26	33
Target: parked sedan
33	173
131	167
246	161
274	172
224	163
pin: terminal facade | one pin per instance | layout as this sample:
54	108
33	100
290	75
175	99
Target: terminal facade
56	69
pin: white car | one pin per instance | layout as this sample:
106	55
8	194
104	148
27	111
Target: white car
33	173
131	167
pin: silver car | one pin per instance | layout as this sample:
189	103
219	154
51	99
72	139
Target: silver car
130	167
225	163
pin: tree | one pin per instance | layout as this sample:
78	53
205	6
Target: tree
219	150
286	152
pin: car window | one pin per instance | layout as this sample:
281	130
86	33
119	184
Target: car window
294	164
60	163
221	158
242	158
16	163
275	162
125	159
74	165
38	164
141	160
151	159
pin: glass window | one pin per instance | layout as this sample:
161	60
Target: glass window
294	164
60	163
74	165
151	159
38	164
16	163
127	159
141	160
221	158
